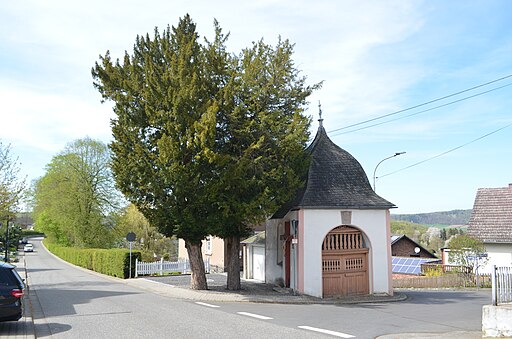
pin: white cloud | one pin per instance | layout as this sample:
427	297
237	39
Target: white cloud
48	121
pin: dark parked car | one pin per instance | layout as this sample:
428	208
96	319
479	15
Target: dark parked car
11	293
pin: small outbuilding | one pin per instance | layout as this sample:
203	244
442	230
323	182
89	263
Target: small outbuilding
333	238
253	254
403	246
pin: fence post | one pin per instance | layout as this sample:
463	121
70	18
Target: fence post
494	288
136	266
162	266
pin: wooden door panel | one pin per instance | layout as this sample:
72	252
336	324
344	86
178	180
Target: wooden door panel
344	263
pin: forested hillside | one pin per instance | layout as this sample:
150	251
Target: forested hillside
431	238
455	217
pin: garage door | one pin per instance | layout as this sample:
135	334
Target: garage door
344	263
258	263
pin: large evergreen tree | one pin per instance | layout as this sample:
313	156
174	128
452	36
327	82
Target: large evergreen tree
164	126
205	142
261	139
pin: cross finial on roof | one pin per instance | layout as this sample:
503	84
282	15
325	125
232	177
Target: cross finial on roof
320	120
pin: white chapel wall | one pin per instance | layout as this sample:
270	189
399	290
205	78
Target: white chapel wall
317	223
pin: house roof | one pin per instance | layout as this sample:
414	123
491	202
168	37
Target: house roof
257	239
491	220
395	239
335	179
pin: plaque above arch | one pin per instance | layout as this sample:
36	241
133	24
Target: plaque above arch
346	217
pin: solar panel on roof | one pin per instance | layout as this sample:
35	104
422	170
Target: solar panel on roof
408	265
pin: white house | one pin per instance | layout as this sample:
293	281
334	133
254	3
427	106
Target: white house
333	238
253	249
491	222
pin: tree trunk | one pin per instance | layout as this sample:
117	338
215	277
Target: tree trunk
198	276
232	259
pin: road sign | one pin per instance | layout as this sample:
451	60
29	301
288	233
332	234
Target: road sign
130	236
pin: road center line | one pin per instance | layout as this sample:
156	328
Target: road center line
255	315
334	333
205	304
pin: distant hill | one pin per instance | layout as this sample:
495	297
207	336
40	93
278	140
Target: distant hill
455	217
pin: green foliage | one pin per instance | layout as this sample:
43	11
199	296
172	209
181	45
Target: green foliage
205	142
412	230
463	248
11	186
149	241
430	238
163	128
12	239
114	262
434	271
31	233
443	234
75	196
260	154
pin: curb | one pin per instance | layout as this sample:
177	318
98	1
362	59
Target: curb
215	296
27	307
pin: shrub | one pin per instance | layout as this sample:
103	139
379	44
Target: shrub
28	233
435	271
114	262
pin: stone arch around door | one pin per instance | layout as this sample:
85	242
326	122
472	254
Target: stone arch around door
344	263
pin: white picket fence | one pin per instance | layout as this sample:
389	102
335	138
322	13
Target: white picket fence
162	267
501	285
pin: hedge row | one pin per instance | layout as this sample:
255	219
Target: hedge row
114	262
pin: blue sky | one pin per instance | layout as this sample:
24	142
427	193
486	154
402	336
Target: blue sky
375	58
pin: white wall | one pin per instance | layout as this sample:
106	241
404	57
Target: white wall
497	254
373	223
273	272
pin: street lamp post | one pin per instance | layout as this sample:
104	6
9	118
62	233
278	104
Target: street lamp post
380	162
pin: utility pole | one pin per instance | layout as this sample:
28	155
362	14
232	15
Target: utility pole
6	256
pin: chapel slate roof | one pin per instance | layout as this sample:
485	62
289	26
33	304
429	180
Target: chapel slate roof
335	180
491	220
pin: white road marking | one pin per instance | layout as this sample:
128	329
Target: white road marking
255	315
205	304
334	333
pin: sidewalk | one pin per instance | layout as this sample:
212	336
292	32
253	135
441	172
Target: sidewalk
252	291
23	328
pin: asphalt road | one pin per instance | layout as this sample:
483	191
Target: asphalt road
77	304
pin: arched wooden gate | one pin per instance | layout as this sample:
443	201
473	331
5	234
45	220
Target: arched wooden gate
344	263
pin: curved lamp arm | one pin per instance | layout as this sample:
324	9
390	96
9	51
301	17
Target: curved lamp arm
375	170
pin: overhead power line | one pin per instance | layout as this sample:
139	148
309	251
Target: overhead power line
420	105
416	113
449	151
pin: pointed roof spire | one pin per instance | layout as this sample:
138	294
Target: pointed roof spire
320	120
